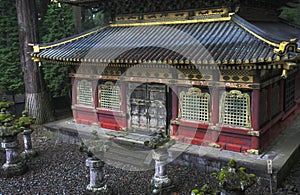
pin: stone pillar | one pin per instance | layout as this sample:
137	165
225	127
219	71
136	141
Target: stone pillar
14	165
160	180
28	151
97	184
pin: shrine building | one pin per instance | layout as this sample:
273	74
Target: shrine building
204	76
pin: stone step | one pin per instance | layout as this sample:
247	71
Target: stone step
129	153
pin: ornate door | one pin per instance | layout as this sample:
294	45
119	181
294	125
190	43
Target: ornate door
147	107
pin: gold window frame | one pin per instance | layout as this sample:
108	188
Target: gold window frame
85	93
194	105
236	114
109	96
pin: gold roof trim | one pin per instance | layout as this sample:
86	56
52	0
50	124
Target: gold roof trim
172	22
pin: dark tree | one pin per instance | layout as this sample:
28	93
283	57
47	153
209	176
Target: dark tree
37	98
58	23
11	81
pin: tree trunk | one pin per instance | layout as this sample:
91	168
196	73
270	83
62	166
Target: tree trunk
77	18
37	101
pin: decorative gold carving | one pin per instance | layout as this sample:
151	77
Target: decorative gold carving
124	129
175	122
253	151
127	18
287	46
254	133
214	145
36	59
173	15
149	73
36	48
235	78
207	12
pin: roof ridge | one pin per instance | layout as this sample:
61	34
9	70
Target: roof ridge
255	31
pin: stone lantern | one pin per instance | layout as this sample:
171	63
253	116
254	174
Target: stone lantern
95	147
5	104
160	143
24	123
9	132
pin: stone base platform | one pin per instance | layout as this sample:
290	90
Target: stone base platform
129	148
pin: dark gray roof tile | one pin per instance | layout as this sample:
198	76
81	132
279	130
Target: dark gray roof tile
229	42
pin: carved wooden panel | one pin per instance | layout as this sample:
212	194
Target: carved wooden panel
147	107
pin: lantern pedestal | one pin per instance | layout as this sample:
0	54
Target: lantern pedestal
13	165
160	180
97	184
28	151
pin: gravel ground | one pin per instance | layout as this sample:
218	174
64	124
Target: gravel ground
60	169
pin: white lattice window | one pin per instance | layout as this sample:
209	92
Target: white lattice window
109	96
194	105
236	109
85	93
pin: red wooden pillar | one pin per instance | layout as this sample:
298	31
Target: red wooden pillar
297	86
94	117
95	91
255	117
175	104
124	103
74	97
281	102
74	90
269	102
215	106
175	97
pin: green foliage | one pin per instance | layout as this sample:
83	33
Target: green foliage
5	104
11	79
233	179
58	24
57	79
159	141
25	120
92	19
291	14
232	163
230	179
9	124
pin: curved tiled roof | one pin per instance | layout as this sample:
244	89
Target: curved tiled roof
229	40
